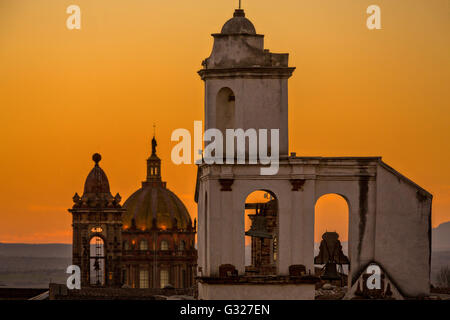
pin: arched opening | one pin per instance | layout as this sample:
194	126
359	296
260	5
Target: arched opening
331	221
261	233
97	261
225	109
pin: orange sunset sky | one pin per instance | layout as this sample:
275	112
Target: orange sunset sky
65	94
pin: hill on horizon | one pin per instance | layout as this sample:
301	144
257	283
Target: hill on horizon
35	265
440	238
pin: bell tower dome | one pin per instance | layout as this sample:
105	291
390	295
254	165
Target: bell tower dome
97	226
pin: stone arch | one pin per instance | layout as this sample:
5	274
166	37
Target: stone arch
97	259
343	210
261	253
225	109
321	197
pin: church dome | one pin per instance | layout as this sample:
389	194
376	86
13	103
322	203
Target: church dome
156	206
153	205
96	181
96	190
239	24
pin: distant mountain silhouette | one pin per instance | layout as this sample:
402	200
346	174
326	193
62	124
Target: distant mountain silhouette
34	265
441	237
51	250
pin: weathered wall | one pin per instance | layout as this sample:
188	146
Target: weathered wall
403	232
389	216
266	110
256	292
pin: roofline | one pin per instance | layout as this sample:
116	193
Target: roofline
404	178
378	159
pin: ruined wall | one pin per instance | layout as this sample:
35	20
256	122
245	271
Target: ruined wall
403	231
389	217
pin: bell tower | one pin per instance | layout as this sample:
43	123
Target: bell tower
97	231
246	86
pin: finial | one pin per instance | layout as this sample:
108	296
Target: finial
96	157
154	130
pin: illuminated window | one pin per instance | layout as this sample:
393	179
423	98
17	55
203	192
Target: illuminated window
164	278
164	245
182	245
143	245
143	279
97	229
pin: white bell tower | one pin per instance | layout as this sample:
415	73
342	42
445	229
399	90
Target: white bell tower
246	87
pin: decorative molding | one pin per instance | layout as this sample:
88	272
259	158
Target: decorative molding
226	184
297	184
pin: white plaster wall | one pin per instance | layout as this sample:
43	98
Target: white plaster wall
402	233
266	110
387	222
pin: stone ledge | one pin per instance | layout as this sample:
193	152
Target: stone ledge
260	280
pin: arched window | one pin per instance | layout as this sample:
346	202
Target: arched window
164	245
164	278
225	109
143	245
182	245
126	245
